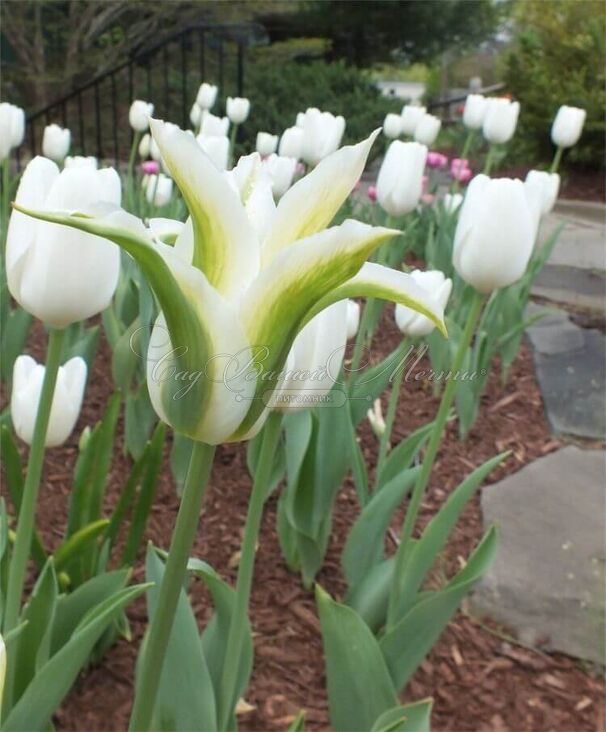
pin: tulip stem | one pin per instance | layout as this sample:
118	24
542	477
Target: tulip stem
131	169
154	647
232	145
429	459
392	405
488	165
464	153
557	159
25	523
237	626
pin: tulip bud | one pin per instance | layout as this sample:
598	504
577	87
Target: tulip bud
56	273
322	134
452	201
84	438
547	186
150	167
392	126
238	109
375	417
139	115
217	149
213	126
281	170
195	115
291	143
434	282
411	116
266	143
436	160
460	170
81	161
67	400
145	146
158	189
500	120
353	318
12	128
372	193
207	95
56	142
400	181
427	129
567	126
476	106
495	233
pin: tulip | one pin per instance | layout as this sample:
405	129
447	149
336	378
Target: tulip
411	116
217	149
375	417
300	121
158	189
400	181
495	233
56	142
353	318
139	115
322	135
436	160
238	109
281	170
392	126
414	324
427	129
81	161
460	170
567	126
266	143
67	399
500	120
213	126
547	186
291	143
372	193
451	202
60	275
145	146
475	110
150	167
12	128
207	95
195	115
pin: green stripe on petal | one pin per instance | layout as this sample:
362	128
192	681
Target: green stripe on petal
225	245
384	283
311	204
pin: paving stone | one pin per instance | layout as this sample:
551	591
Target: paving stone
548	579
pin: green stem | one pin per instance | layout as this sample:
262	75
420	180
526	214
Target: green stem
25	524
184	533
361	338
237	626
489	160
232	145
130	181
6	179
429	459
391	409
557	159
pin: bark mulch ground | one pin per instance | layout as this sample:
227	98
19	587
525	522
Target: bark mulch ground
480	677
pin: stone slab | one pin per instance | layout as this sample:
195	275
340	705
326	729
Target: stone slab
548	579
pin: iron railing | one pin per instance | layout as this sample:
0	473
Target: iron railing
167	74
444	107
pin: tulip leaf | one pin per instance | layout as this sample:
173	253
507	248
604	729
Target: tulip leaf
360	689
139	420
369	598
298	724
15	331
368	384
414	717
402	455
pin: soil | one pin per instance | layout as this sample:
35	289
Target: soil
480	678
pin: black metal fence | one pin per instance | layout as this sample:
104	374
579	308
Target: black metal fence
167	74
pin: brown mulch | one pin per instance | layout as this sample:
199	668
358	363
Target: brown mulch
480	679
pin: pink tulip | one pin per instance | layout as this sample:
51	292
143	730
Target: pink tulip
460	170
428	198
150	167
372	193
436	160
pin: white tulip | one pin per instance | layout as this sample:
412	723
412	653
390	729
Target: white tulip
567	126
81	161
427	129
322	135
217	149
12	128
500	121
158	189
145	146
392	126
547	185
476	106
495	233
207	95
28	377
291	143
436	285
213	126
411	116
139	115
56	273
400	180
266	143
353	318
452	201
56	142
300	121
238	109
195	115
375	417
281	170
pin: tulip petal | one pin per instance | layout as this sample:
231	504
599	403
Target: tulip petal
226	248
311	204
375	280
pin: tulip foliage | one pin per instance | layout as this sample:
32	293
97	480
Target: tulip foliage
227	292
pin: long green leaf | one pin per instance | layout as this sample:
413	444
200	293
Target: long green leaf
414	717
402	455
82	540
